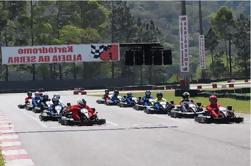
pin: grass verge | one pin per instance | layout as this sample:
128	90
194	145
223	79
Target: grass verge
242	106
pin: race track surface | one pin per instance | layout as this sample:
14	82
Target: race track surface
130	138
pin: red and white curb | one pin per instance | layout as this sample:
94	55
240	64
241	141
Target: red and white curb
13	153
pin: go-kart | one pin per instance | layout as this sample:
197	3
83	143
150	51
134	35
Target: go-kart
159	108
227	115
86	120
53	114
81	91
113	102
188	110
127	103
27	105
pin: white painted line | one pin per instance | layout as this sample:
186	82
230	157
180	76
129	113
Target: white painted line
7	131
112	123
6	125
36	119
5	122
8	136
19	162
3	144
13	152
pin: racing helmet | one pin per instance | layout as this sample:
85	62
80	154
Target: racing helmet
129	94
29	93
36	94
106	91
45	97
148	93
186	95
116	92
57	95
81	102
159	94
213	98
55	100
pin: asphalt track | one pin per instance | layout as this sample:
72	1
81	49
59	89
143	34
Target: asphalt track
129	138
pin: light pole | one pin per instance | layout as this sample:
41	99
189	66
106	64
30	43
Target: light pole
32	39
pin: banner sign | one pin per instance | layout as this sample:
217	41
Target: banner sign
202	51
60	53
184	53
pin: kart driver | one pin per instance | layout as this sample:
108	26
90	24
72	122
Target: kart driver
76	110
29	96
114	97
36	99
106	95
145	99
213	107
55	102
184	103
128	98
157	102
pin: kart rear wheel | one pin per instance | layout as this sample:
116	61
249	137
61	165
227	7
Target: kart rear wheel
21	106
63	122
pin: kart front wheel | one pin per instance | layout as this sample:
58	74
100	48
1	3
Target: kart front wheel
101	121
43	118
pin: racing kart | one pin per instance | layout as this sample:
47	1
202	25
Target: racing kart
159	108
27	105
66	119
227	115
52	115
127	103
188	110
81	91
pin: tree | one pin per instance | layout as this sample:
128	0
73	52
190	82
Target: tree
211	43
223	23
242	43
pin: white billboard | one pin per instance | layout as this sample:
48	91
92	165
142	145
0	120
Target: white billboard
184	48
202	51
60	53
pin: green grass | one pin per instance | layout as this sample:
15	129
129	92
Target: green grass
242	106
1	159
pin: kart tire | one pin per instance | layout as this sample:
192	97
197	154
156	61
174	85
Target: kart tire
201	119
239	119
101	121
43	118
63	122
21	106
174	114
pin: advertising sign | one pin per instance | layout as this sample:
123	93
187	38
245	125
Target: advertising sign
202	51
184	48
60	53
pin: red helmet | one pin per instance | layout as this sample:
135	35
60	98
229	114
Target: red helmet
212	98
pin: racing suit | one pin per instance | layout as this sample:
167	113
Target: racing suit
145	100
36	101
213	110
128	100
157	105
76	114
51	109
106	97
185	104
115	99
26	100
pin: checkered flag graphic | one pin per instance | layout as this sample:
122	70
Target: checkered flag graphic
97	50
